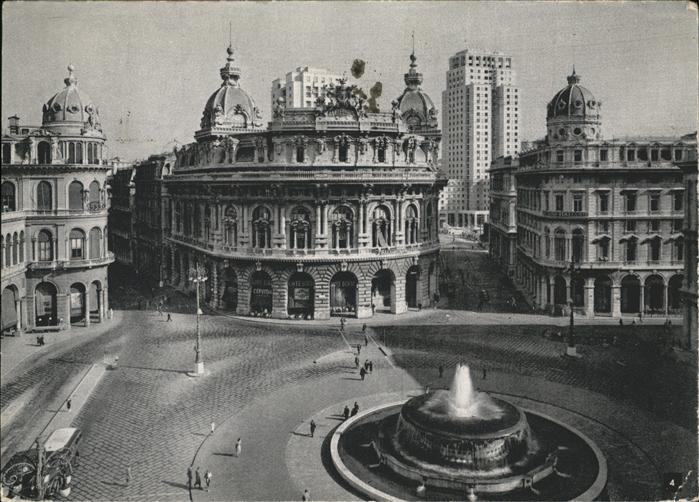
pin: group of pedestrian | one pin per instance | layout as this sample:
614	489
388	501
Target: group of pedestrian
367	367
346	413
197	478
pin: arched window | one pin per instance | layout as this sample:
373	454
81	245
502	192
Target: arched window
342	228
91	150
77	244
429	221
21	247
230	225
300	154
382	154
44	152
44	196
578	245
15	249
559	244
381	227
300	228
45	246
8	250
79	153
262	228
75	196
94	196
343	152
95	243
6	153
9	202
71	153
411	225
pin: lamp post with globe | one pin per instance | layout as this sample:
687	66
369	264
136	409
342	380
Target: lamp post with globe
197	276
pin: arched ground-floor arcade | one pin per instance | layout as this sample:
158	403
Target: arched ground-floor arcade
309	289
598	292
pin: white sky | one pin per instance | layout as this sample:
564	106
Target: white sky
150	67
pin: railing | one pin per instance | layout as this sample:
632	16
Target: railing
566	214
62	264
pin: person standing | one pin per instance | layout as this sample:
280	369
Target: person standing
364	328
207	479
342	323
359	348
355	409
441	371
313	428
213	426
346	412
238	447
362	373
306	495
69	403
371	366
197	479
169	317
189	477
356	362
366	340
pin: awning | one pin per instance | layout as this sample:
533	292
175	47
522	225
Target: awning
601	237
628	237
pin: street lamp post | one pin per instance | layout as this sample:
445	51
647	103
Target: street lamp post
198	276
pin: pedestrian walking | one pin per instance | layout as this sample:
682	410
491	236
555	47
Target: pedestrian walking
371	366
189	477
238	447
355	409
346	412
197	479
128	474
366	364
362	373
342	323
484	373
306	495
621	322
207	479
313	428
441	371
359	348
364	328
366	340
356	361
213	426
160	311
68	404
169	317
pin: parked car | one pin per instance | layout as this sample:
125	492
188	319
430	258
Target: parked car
56	458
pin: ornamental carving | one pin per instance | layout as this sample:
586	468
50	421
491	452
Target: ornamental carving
341	97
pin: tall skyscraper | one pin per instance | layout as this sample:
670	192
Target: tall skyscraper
480	123
301	87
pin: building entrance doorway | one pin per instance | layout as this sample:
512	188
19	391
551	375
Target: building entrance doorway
301	296
412	278
343	294
382	291
45	305
261	294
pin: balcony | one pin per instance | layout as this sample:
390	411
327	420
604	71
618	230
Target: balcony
71	264
565	214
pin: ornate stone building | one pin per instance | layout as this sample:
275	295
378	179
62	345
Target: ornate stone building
613	207
691	224
329	211
502	233
54	216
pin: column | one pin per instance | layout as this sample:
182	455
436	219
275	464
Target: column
66	313
105	301
87	308
319	221
214	285
100	304
665	297
616	300
641	300
590	297
18	309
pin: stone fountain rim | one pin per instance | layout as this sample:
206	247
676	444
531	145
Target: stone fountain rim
592	493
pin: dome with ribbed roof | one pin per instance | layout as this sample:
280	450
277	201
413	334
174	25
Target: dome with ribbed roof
230	106
415	105
574	100
71	106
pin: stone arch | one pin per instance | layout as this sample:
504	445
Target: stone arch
412	286
9	196
383	290
94	195
229	289
44	196
344	226
10	314
77	244
300	227
78	293
95	239
261	293
301	295
95	295
262	222
46	304
43	151
630	294
578	244
674	298
560	293
411	222
654	294
381	220
603	295
75	196
344	293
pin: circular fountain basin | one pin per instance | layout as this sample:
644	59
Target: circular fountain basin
560	463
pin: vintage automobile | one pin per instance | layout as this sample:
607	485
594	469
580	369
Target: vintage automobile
54	459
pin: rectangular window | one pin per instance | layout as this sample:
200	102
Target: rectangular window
559	203
631	155
603	227
630	226
45	250
76	248
577	155
655	202
677	225
630	202
654	225
604	202
631	250
677	200
604	155
577	202
559	155
603	250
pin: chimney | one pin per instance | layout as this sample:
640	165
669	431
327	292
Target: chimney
14	124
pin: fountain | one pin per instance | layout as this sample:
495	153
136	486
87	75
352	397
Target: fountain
462	443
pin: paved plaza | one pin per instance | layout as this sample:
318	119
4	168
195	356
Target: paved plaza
265	381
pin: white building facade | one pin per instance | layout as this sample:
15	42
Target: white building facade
301	87
480	123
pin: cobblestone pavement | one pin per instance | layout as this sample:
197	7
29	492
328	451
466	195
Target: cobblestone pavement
148	414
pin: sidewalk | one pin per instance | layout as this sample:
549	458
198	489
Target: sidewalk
19	350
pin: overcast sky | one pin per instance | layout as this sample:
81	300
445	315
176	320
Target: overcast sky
150	67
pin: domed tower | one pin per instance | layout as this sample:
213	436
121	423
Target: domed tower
230	108
415	105
71	111
573	114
